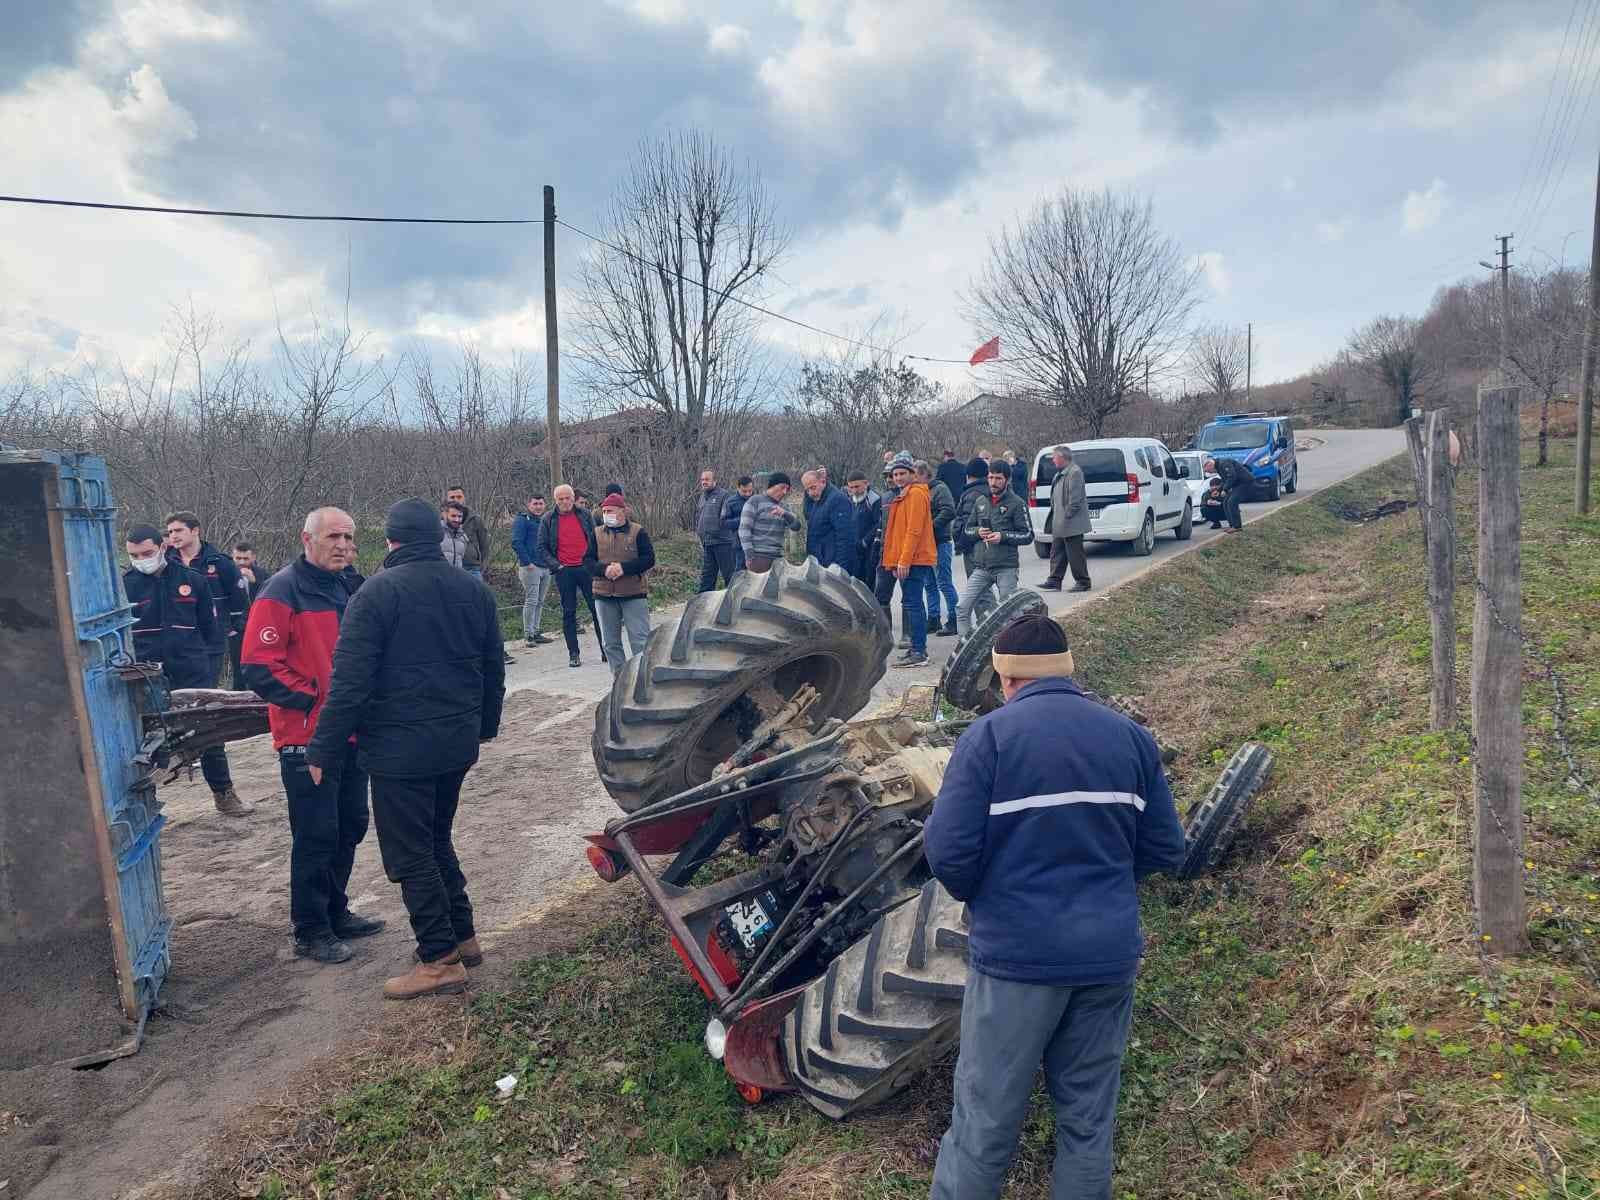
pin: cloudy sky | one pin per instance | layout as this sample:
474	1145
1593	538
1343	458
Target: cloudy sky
1324	159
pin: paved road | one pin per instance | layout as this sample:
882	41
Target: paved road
1342	454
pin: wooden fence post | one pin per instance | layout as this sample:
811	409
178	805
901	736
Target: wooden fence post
1419	471
1440	520
1497	679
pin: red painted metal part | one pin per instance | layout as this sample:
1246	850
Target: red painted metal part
659	837
726	970
753	1055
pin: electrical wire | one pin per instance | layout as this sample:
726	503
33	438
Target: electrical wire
1581	65
1577	127
1538	133
270	216
777	316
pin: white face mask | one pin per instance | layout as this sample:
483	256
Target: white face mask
146	566
611	518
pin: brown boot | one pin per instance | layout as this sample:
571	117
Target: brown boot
427	979
229	804
471	954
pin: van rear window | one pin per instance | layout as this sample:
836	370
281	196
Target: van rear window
1099	466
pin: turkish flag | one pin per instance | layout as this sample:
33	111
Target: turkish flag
990	349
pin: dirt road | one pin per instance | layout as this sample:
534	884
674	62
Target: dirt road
240	1014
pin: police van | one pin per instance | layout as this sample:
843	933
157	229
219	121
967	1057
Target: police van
1262	442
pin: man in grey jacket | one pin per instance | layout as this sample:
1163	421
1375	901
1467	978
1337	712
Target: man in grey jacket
762	524
1069	521
716	542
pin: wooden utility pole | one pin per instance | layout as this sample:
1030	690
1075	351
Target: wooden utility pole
1439	519
1586	396
1505	305
552	343
1497	679
1249	358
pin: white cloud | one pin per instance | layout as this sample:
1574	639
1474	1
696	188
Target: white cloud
1214	271
1422	210
729	39
153	120
1333	231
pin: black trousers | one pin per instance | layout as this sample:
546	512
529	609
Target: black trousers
1235	497
569	582
326	823
1065	552
715	560
415	818
1215	513
214	762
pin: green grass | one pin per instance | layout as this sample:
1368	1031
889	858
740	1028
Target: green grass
1315	1019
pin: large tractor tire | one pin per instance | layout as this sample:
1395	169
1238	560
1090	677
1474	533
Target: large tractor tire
968	680
705	681
1214	823
885	1010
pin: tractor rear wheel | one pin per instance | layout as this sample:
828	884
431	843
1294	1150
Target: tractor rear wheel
733	658
968	680
1214	823
884	1010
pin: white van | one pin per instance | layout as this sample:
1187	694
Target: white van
1134	489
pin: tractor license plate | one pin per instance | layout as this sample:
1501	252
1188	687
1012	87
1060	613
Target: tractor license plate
750	921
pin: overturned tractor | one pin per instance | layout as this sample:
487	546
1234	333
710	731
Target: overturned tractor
835	965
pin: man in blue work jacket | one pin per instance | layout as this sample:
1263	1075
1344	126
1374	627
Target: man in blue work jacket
1052	806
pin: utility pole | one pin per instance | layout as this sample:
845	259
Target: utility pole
1586	396
1249	358
552	343
1147	379
1505	304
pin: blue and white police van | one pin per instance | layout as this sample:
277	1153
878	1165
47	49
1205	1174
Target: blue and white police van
1260	441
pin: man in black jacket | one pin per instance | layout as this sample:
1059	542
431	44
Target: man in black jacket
869	511
228	593
949	473
419	679
733	512
942	582
477	533
1239	484
977	482
716	543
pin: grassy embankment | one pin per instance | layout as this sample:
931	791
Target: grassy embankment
1316	1019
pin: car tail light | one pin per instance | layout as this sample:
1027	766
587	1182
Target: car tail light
1033	491
1133	488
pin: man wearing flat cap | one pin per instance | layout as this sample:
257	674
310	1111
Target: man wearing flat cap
1051	808
418	680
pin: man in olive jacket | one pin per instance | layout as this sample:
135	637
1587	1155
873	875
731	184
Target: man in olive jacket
419	680
996	525
1069	521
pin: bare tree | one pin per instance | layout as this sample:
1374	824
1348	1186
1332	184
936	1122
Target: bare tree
1546	341
1218	354
688	235
1086	295
1387	349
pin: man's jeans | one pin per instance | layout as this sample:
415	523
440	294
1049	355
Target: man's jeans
326	823
913	616
1007	1029
415	819
615	615
214	760
535	586
571	582
716	559
942	581
978	598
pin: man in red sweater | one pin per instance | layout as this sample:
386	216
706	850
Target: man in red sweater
287	659
568	538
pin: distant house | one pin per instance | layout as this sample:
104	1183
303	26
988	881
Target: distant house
999	420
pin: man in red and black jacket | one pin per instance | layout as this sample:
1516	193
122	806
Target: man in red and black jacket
287	660
567	535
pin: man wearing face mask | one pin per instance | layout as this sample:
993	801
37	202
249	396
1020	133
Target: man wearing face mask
623	556
175	626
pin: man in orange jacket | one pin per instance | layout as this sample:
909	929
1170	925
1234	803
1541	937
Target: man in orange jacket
909	554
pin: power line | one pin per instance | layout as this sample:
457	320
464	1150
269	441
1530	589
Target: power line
777	316
1577	129
1551	154
270	216
1538	133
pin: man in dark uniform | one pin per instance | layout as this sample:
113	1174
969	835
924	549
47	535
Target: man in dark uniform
419	681
255	577
228	594
176	628
1239	486
288	662
1051	810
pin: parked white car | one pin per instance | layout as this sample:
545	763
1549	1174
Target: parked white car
1133	487
1191	465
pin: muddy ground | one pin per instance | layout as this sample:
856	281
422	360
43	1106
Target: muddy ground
240	1015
